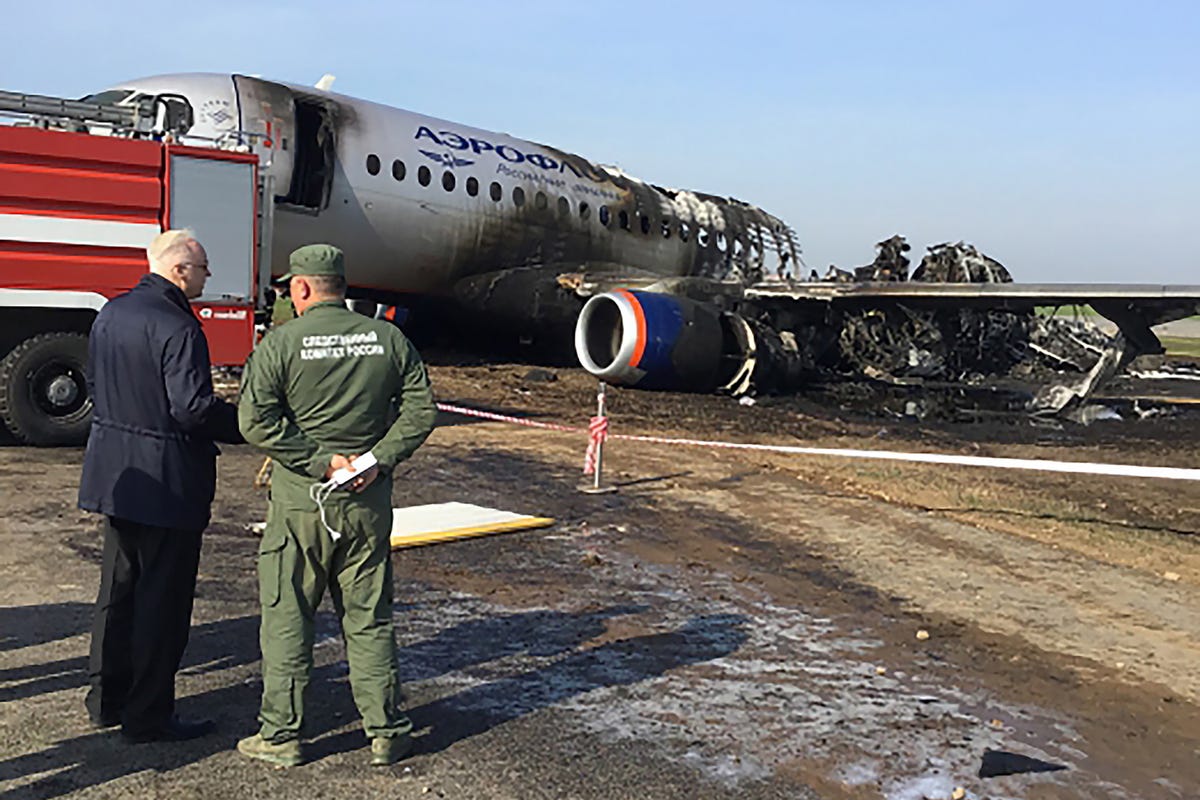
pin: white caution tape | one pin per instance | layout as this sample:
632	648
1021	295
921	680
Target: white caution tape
1078	467
1085	467
474	412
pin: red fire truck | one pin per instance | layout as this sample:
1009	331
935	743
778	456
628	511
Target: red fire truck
83	190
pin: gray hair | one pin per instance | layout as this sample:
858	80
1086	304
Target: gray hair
169	245
327	285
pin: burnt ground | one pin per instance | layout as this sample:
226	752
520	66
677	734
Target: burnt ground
728	624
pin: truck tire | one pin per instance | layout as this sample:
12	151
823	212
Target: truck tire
44	398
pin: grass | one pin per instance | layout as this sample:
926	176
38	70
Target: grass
1179	346
1066	311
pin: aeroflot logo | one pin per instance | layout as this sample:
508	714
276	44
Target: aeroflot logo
581	169
447	160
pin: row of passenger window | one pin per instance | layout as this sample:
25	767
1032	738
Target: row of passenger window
541	202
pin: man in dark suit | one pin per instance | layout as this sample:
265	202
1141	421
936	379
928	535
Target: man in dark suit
150	468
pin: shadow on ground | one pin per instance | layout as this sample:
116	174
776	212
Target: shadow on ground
99	757
26	626
209	647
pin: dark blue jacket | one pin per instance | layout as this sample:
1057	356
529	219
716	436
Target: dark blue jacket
150	456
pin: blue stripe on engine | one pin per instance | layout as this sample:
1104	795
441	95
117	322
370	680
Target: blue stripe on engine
664	321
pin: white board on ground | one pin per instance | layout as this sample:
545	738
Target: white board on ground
440	522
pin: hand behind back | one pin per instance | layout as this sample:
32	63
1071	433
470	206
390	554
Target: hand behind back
361	481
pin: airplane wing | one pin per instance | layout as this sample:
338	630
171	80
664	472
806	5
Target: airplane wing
1133	308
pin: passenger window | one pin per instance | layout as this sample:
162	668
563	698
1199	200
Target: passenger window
721	241
684	231
623	219
666	228
604	216
564	207
448	181
539	201
518	196
373	164
398	170
472	186
424	176
645	222
495	191
585	211
702	237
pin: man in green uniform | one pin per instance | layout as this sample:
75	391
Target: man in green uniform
317	393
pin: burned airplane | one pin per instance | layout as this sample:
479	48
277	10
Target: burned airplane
663	288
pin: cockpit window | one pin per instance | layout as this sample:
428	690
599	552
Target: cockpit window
107	98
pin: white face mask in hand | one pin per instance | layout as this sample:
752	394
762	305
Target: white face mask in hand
319	492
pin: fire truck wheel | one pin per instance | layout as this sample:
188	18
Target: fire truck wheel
43	390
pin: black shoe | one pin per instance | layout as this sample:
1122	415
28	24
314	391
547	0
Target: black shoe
173	730
105	720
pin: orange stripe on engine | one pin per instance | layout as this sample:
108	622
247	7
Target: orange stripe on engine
640	316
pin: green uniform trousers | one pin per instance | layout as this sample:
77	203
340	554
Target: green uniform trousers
297	560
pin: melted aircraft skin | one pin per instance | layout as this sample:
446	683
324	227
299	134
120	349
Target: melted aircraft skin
427	206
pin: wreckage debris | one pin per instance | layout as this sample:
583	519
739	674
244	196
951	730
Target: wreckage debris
1073	345
959	263
901	342
997	763
967	343
902	345
1168	372
539	375
890	263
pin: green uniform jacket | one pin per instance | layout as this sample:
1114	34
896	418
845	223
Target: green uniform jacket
333	381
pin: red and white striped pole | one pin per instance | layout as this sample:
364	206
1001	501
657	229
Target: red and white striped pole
593	459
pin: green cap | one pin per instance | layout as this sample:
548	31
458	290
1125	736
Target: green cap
315	259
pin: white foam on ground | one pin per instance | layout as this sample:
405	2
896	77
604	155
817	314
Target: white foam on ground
774	687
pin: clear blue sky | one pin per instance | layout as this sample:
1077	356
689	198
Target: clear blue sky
1062	138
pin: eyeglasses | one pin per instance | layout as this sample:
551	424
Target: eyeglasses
197	266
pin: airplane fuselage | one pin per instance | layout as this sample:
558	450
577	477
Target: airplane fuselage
424	206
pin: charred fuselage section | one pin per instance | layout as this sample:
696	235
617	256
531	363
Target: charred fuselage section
958	318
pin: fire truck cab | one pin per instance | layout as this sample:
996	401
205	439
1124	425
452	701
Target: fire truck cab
84	188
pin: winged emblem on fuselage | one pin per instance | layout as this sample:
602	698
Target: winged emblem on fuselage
446	159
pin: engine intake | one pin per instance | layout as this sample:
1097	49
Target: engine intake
662	341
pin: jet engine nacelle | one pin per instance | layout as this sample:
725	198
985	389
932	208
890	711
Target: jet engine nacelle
663	341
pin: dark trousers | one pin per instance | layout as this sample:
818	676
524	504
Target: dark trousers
143	616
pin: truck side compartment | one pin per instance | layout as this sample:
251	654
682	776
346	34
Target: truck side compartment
77	210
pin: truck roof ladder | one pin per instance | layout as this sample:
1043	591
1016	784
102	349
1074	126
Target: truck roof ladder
148	115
